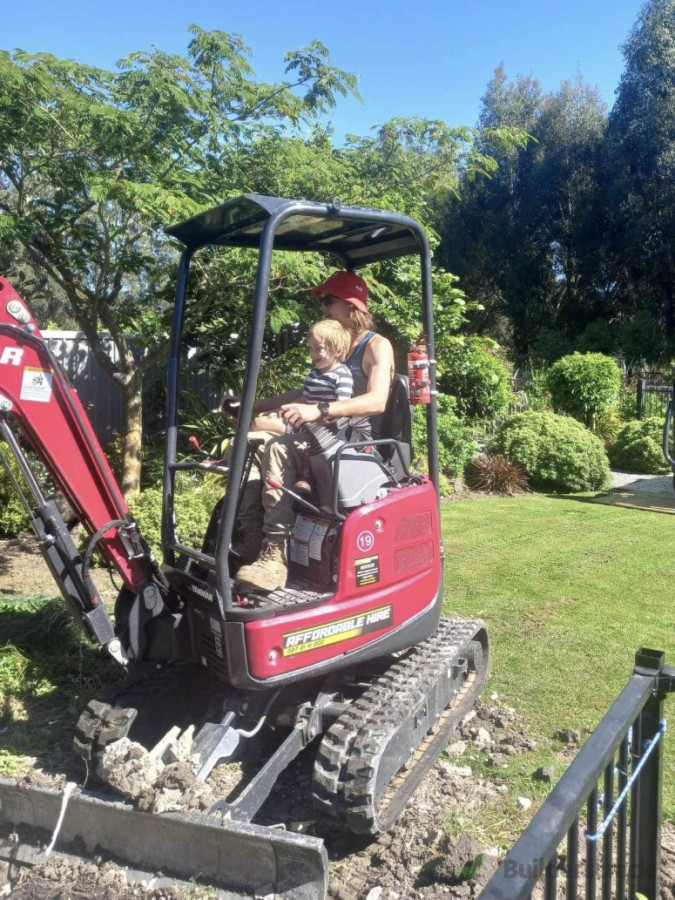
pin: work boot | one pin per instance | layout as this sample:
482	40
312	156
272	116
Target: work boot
269	572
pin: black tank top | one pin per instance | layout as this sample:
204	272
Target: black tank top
361	428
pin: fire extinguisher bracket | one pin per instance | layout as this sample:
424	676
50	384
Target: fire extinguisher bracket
418	372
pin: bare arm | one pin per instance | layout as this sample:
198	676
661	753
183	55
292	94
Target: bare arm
269	404
378	361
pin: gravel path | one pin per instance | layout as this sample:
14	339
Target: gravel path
657	485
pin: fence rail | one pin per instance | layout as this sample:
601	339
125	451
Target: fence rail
652	393
618	773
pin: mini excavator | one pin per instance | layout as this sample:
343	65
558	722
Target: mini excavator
351	662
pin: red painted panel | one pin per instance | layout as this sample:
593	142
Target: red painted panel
47	416
389	572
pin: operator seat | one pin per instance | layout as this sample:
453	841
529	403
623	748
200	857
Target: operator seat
396	422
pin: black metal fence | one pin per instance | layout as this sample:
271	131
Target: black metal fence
614	785
652	393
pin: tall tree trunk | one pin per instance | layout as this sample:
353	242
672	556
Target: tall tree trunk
133	435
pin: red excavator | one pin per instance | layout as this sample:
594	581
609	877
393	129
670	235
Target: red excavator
350	662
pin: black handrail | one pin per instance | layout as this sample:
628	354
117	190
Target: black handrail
638	709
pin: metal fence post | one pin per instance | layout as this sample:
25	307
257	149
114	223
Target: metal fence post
640	396
646	794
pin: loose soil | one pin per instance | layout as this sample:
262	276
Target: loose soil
418	859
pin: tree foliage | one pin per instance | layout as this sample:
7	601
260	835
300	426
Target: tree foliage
584	384
477	379
641	148
93	164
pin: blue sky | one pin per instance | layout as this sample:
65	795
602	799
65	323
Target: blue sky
431	59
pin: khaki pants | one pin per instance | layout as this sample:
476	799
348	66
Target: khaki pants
281	457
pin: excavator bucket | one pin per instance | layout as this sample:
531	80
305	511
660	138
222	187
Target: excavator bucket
251	860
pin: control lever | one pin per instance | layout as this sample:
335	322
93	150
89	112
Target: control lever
278	486
195	443
210	461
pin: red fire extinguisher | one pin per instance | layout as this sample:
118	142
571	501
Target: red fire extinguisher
418	372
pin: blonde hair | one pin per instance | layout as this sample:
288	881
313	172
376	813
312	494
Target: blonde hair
335	337
359	322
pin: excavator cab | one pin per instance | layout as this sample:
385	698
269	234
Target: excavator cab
351	657
368	553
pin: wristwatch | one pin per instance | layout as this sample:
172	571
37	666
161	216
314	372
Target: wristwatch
324	410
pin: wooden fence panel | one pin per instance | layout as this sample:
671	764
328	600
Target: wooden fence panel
102	397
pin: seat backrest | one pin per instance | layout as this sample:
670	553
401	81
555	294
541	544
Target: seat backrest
397	417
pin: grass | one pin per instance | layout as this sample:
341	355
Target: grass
48	671
569	590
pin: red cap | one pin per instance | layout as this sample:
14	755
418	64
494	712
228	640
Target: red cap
348	287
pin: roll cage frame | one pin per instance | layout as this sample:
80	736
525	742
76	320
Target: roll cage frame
355	236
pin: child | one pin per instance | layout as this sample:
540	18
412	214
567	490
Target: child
329	344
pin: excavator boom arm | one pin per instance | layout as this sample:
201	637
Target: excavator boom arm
39	408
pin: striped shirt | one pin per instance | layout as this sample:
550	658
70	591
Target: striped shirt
338	384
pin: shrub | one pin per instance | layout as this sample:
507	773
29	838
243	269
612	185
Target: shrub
13	517
639	447
627	403
478	381
608	424
193	502
582	384
445	486
456	446
114	453
557	453
536	389
495	473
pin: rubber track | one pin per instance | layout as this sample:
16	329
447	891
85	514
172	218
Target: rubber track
132	705
348	773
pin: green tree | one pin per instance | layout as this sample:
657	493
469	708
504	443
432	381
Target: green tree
410	166
583	384
640	150
523	242
93	163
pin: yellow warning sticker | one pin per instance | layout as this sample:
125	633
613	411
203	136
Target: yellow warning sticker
338	630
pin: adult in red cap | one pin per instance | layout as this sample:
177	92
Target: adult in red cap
345	286
344	298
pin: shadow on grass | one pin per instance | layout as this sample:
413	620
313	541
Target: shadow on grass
47	673
583	497
22	544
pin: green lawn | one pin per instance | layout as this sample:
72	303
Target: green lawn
569	590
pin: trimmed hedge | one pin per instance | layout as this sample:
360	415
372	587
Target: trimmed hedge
582	384
456	446
639	448
557	453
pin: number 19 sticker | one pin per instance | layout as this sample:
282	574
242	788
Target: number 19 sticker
365	541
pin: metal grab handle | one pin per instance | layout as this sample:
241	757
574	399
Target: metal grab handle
666	435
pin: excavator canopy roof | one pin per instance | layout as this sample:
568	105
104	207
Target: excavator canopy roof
357	235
